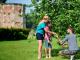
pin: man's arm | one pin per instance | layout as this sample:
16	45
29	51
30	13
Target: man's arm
62	42
65	39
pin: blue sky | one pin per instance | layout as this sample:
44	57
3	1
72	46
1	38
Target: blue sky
22	2
19	1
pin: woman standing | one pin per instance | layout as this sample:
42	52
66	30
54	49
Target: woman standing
40	31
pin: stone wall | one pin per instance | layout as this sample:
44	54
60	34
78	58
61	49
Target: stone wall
10	15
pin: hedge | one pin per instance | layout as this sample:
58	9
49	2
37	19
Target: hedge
13	33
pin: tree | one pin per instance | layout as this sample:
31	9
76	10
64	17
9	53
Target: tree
61	12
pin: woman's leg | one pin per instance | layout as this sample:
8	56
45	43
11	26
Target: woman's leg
46	52
50	52
50	49
39	49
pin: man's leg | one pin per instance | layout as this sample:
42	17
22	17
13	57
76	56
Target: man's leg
64	52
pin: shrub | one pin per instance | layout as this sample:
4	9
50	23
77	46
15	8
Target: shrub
13	33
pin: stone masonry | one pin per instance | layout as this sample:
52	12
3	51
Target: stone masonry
11	16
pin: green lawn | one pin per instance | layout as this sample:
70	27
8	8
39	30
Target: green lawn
26	50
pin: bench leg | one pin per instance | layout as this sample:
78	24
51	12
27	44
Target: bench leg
71	57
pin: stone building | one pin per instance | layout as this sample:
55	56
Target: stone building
11	16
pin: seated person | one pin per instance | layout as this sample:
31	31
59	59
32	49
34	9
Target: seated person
72	43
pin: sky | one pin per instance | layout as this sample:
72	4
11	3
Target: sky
22	2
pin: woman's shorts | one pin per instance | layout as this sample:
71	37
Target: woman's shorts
39	36
47	45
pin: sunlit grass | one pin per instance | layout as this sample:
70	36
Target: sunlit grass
27	50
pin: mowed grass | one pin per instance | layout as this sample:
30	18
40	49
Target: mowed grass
27	50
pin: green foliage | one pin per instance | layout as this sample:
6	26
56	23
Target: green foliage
61	12
13	34
33	1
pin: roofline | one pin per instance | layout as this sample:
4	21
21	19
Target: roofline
12	4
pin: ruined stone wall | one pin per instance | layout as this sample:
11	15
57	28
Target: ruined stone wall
10	16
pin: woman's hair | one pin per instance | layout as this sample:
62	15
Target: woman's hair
45	18
70	27
49	23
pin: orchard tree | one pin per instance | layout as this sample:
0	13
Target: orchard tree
62	13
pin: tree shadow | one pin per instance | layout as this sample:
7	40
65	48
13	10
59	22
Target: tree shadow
77	55
55	52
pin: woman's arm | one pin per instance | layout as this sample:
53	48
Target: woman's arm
48	31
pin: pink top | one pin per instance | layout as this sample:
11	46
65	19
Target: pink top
47	35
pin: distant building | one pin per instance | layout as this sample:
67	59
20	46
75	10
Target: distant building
11	16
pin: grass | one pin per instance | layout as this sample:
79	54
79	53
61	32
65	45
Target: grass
27	50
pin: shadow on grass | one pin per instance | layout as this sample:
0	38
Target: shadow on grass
55	52
77	56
